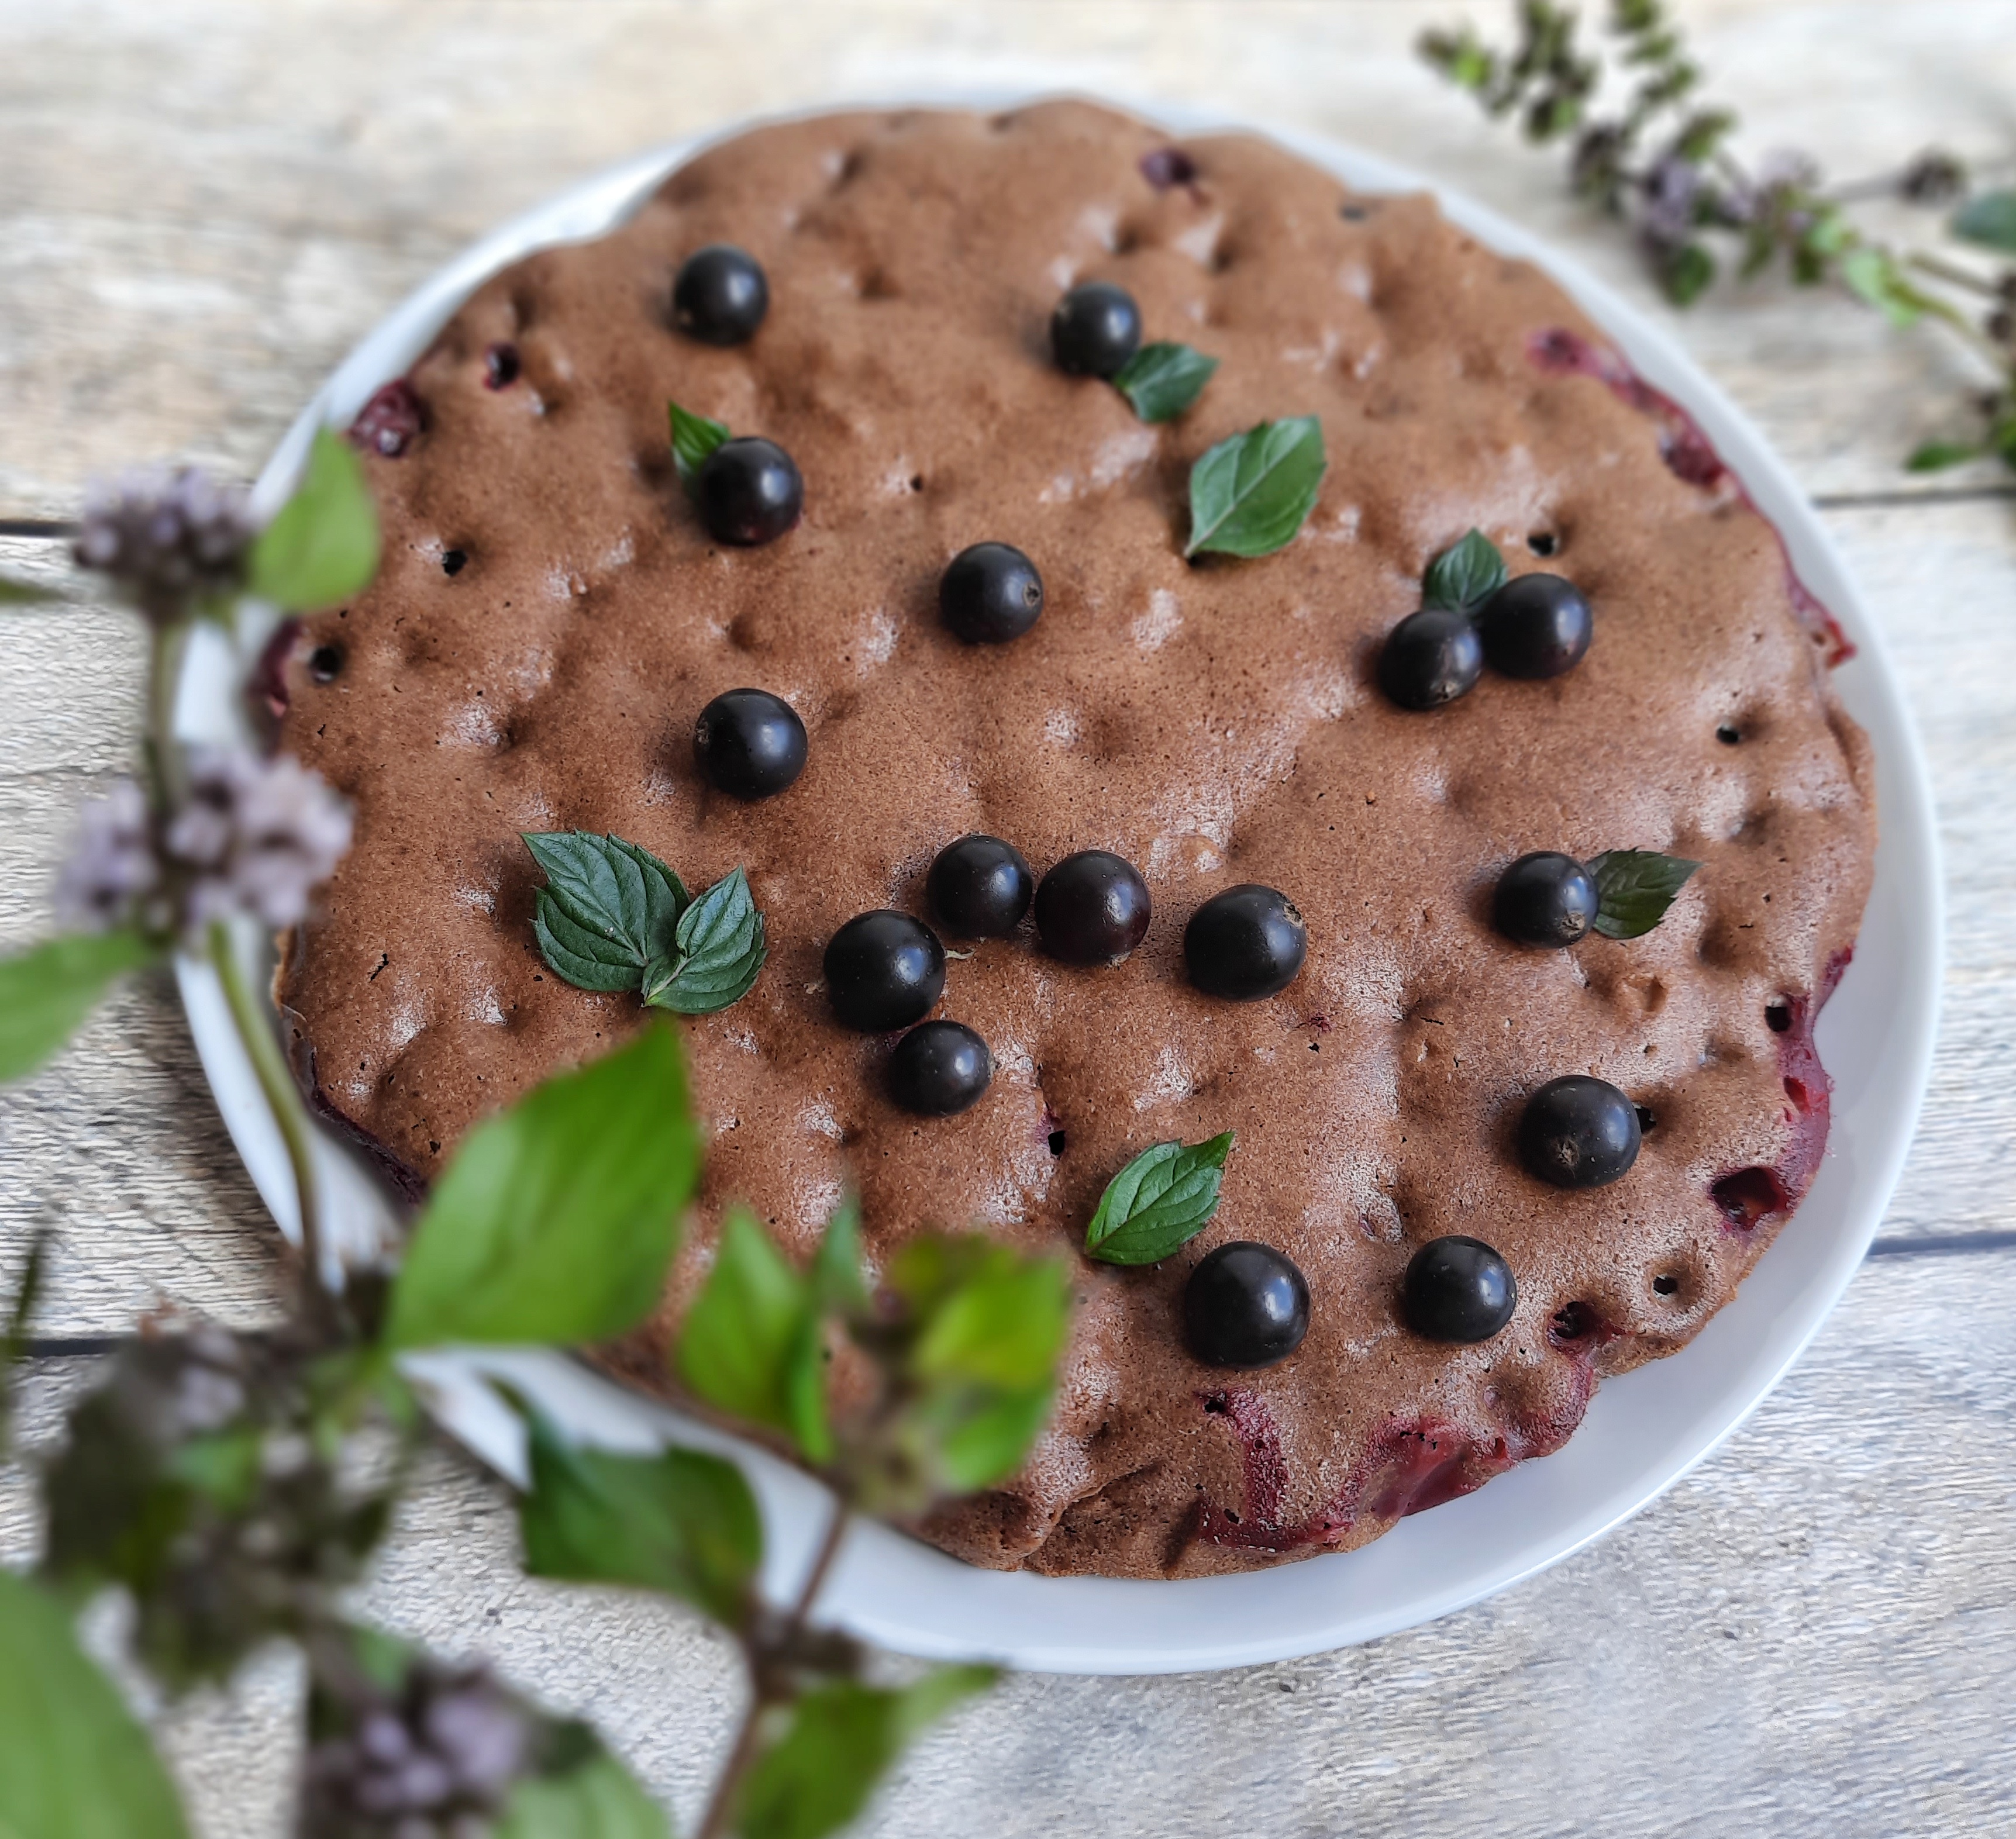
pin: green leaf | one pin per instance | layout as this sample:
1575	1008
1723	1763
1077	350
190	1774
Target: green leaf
14	1340
1160	1201
1873	275
694	437
1465	575
1163	380
837	1281
73	1765
1688	273
46	991
975	1439
1935	456
736	1347
596	1799
608	907
719	949
1988	219
1250	493
1634	887
1003	1327
322	547
555	1221
817	1776
15	591
679	1522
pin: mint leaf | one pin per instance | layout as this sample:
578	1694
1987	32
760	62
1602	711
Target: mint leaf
15	591
1989	220
837	1281
975	1438
596	1799
1634	887
1687	274
323	546
694	437
1874	274
719	948
46	991
1935	456
817	1776
737	1344
608	907
1163	380
73	1762
1003	1327
679	1522
1463	577
1250	494
555	1222
1159	1202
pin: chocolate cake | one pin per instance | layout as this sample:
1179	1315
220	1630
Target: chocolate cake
554	612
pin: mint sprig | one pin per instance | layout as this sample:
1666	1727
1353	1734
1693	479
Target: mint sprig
46	992
1634	887
322	545
1163	380
1462	577
1158	1202
1252	492
694	437
612	917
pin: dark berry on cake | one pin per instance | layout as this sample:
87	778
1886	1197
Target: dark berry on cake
1430	658
1246	943
750	743
939	1069
1579	1132
1536	625
1458	1290
1096	328
989	594
748	491
1092	907
501	366
1245	1305
720	296
883	971
1546	898
980	887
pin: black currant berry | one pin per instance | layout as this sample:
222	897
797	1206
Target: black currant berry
1092	907
883	971
1246	943
1096	329
1245	1305
750	743
939	1069
747	491
1579	1132
1458	1290
1536	625
1431	657
980	887
720	296
989	594
1546	898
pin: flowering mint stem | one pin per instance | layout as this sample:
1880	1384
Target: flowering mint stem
283	1098
722	1803
165	767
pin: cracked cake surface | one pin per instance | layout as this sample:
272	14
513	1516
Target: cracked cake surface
550	616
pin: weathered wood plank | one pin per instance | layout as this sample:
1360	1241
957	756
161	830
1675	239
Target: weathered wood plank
1813	1635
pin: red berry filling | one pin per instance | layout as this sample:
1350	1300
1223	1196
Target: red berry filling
391	421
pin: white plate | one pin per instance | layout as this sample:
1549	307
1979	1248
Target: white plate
1643	1432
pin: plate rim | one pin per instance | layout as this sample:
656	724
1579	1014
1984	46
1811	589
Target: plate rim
903	1596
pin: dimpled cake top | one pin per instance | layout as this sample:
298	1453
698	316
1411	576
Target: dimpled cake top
551	618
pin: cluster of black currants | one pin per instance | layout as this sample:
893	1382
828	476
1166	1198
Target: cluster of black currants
1534	626
885	970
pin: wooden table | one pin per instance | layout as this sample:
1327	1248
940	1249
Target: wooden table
202	205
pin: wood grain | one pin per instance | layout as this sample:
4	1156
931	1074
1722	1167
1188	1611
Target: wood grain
202	205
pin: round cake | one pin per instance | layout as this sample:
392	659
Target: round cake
558	606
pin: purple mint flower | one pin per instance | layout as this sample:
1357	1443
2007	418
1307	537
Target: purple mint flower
1670	189
481	1736
112	866
166	537
261	835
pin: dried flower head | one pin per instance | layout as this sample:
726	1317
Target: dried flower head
257	835
112	867
166	537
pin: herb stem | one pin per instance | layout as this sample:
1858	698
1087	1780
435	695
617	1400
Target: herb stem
284	1100
1952	273
714	1823
169	641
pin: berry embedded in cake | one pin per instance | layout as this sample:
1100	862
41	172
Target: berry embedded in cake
1376	773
